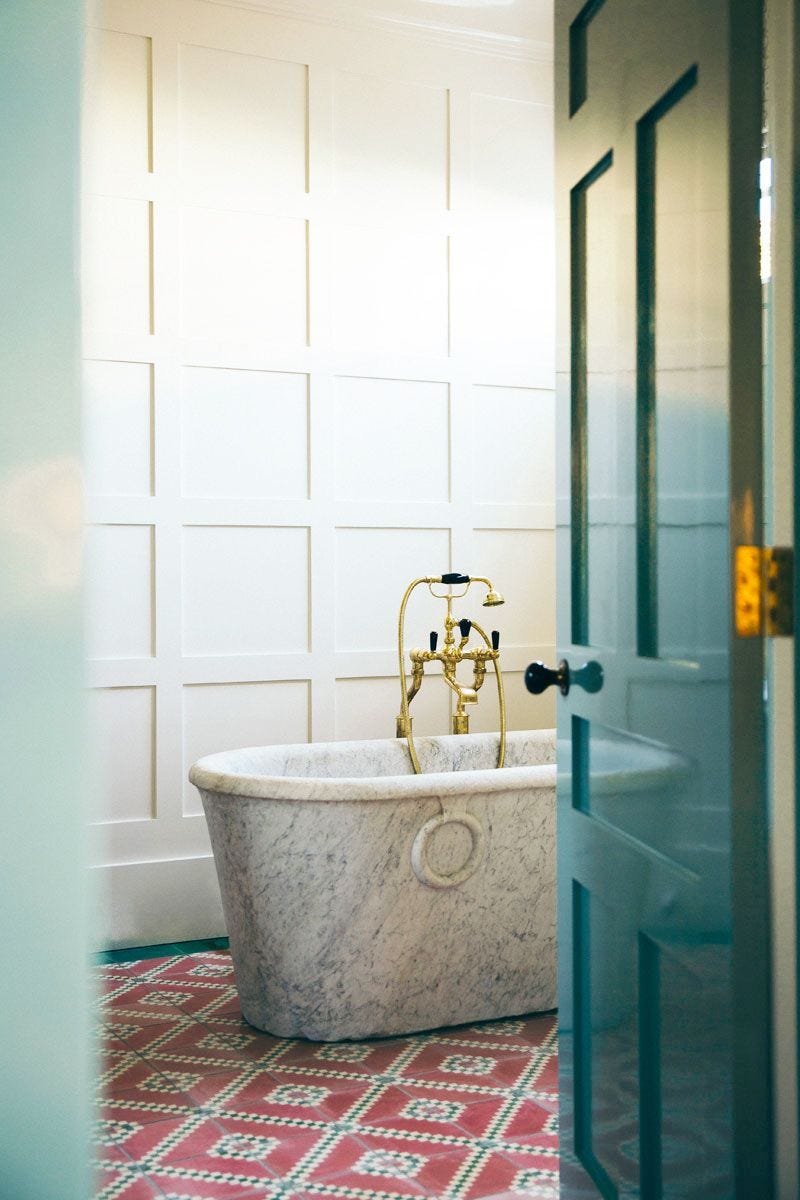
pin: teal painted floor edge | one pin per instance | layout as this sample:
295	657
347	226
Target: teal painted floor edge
165	950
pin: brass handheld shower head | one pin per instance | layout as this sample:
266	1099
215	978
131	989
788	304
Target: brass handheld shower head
492	598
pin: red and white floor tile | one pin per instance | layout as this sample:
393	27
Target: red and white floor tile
194	1104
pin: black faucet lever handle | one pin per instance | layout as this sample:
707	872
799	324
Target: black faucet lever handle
495	639
465	625
434	638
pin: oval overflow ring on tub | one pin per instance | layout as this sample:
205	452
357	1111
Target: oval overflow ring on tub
419	851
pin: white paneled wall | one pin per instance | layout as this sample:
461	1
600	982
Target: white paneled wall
318	313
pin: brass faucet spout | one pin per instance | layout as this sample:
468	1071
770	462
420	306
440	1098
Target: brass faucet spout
416	681
466	695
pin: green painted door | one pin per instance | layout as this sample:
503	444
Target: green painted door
44	908
662	864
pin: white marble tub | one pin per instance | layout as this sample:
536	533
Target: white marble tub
363	900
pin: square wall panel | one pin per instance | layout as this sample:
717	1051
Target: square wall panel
118	428
390	142
116	273
511	291
242	124
521	565
122	750
368	708
373	569
119	591
116	105
245	590
244	433
410	417
513	446
227	716
243	277
523	711
512	157
390	290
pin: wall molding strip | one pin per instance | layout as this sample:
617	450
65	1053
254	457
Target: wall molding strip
362	17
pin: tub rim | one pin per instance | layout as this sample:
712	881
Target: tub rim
212	773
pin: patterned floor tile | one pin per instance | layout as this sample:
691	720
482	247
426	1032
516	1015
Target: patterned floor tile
131	1107
290	1143
131	1072
210	1149
356	1058
531	1123
232	1028
109	973
532	1175
248	1042
175	1034
145	1002
211	966
370	1163
195	1104
478	1069
191	1178
318	1097
428	1113
124	1183
108	1136
198	1076
150	1035
545	1076
214	1089
189	1188
113	1058
524	1033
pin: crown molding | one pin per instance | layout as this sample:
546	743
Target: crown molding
362	17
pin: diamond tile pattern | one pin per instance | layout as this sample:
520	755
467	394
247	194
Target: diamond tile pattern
194	1104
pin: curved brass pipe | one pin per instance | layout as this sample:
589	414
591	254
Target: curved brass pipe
404	699
501	697
403	689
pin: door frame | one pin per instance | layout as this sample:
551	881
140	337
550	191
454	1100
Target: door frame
782	465
751	910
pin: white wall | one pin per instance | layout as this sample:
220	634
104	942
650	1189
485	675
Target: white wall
319	338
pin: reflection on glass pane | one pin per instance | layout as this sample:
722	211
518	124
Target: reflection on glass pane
646	791
694	1026
690	388
606	1048
602	430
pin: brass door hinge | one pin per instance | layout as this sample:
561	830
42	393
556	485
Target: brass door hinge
764	593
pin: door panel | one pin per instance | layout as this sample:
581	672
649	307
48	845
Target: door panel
657	150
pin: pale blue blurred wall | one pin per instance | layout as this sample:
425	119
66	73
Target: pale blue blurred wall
43	1025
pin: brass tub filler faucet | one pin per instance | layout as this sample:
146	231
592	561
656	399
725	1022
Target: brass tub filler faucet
452	653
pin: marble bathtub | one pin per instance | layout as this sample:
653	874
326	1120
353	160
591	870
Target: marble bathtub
364	900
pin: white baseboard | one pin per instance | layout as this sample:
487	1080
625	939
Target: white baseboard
147	903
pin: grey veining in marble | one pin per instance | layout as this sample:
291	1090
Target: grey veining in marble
364	900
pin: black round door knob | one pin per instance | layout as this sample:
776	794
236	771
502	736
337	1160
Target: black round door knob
589	677
538	678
